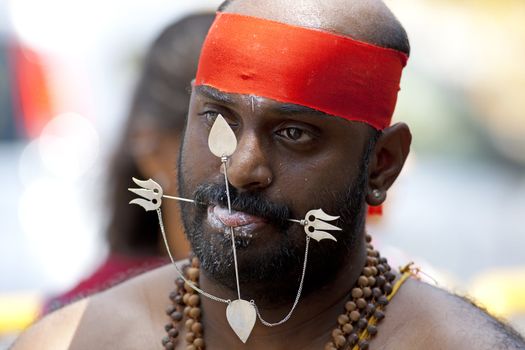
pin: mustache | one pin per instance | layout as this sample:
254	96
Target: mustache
253	203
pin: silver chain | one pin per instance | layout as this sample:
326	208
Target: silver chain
228	301
224	161
297	297
212	297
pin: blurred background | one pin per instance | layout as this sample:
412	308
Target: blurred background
67	74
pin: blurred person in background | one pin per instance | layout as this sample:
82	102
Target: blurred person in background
148	149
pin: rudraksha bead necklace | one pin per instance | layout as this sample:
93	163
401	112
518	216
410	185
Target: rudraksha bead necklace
356	325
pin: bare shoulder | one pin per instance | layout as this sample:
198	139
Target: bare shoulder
126	316
422	316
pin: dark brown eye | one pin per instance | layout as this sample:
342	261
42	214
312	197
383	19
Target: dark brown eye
293	133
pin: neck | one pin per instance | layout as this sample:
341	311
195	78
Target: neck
312	321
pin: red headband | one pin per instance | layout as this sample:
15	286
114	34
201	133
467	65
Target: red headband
324	71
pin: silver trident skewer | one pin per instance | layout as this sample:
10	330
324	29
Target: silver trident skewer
153	194
314	224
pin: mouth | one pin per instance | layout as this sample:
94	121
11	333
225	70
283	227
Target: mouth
243	224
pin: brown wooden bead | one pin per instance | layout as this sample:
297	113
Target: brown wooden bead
195	312
379	315
368	238
355	315
195	262
188	288
367	292
353	338
361	303
176	316
371	261
350	306
367	271
380	281
371	281
362	281
197	328
339	341
342	319
198	342
337	332
190	337
170	309
374	270
187	310
382	300
193	273
373	253
348	328
362	323
186	298
194	300
191	347
189	323
174	333
372	330
387	288
357	293
390	276
165	340
363	345
330	346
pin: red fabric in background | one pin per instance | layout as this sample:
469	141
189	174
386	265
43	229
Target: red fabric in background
324	71
116	269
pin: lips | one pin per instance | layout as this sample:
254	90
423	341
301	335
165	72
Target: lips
233	219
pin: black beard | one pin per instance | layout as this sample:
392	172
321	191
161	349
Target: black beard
271	274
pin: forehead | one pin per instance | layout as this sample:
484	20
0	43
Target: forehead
232	99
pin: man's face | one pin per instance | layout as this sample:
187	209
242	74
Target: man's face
289	160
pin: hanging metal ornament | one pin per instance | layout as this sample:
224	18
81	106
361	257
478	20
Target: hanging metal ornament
241	314
152	194
315	225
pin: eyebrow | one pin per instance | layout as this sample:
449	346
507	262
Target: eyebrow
289	109
214	94
294	109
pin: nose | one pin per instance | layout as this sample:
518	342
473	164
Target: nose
249	167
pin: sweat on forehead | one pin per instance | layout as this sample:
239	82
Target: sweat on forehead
330	73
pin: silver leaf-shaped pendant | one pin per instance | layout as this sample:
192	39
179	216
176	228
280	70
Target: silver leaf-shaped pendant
151	191
315	225
222	140
241	316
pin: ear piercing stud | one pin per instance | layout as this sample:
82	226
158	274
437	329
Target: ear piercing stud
377	193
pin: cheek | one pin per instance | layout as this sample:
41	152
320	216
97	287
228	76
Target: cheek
307	182
198	164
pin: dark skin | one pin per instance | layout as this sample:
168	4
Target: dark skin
419	317
289	146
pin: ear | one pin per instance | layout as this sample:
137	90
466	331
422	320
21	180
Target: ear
387	160
156	154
